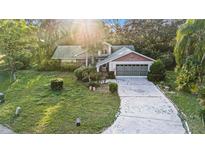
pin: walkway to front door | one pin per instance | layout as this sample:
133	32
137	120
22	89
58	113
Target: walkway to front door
144	109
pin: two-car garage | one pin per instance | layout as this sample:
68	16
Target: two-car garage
131	69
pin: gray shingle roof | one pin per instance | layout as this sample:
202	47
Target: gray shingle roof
121	52
117	47
69	52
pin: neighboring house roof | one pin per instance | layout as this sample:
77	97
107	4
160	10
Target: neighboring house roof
69	52
117	47
119	53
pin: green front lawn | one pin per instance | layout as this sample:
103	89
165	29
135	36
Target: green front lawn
187	103
45	111
4	80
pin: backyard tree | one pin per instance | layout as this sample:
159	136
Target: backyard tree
15	40
190	44
152	37
90	34
48	36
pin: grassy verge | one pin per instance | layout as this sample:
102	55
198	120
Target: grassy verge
4	80
187	103
45	111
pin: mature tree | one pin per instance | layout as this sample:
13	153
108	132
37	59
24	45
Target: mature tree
15	38
116	31
90	34
48	36
154	37
191	45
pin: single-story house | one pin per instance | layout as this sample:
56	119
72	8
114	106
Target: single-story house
123	60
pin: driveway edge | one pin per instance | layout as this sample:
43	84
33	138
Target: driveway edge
180	113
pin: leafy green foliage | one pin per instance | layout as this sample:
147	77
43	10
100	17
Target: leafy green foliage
186	102
151	37
113	87
157	71
23	60
190	43
49	65
79	72
111	75
57	84
168	61
187	76
70	67
87	74
48	36
94	84
16	43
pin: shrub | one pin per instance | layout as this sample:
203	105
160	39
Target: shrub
19	65
168	61
157	71
186	77
70	67
79	72
86	74
111	75
152	54
89	73
95	76
49	65
94	84
57	84
23	60
113	87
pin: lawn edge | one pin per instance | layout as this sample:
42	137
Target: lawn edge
180	113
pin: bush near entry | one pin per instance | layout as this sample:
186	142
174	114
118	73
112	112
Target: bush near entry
87	74
113	87
111	75
157	71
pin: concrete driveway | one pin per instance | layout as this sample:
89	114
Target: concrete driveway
5	130
144	109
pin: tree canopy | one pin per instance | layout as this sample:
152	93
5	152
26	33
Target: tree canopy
150	35
190	42
15	41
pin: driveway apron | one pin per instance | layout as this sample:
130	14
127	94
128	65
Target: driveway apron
144	109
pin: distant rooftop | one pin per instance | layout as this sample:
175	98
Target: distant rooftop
117	47
69	52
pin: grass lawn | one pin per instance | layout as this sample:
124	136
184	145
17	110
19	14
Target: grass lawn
45	111
187	103
4	80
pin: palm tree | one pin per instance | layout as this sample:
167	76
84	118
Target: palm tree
190	42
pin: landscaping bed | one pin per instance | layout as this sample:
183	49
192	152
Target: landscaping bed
47	111
186	102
